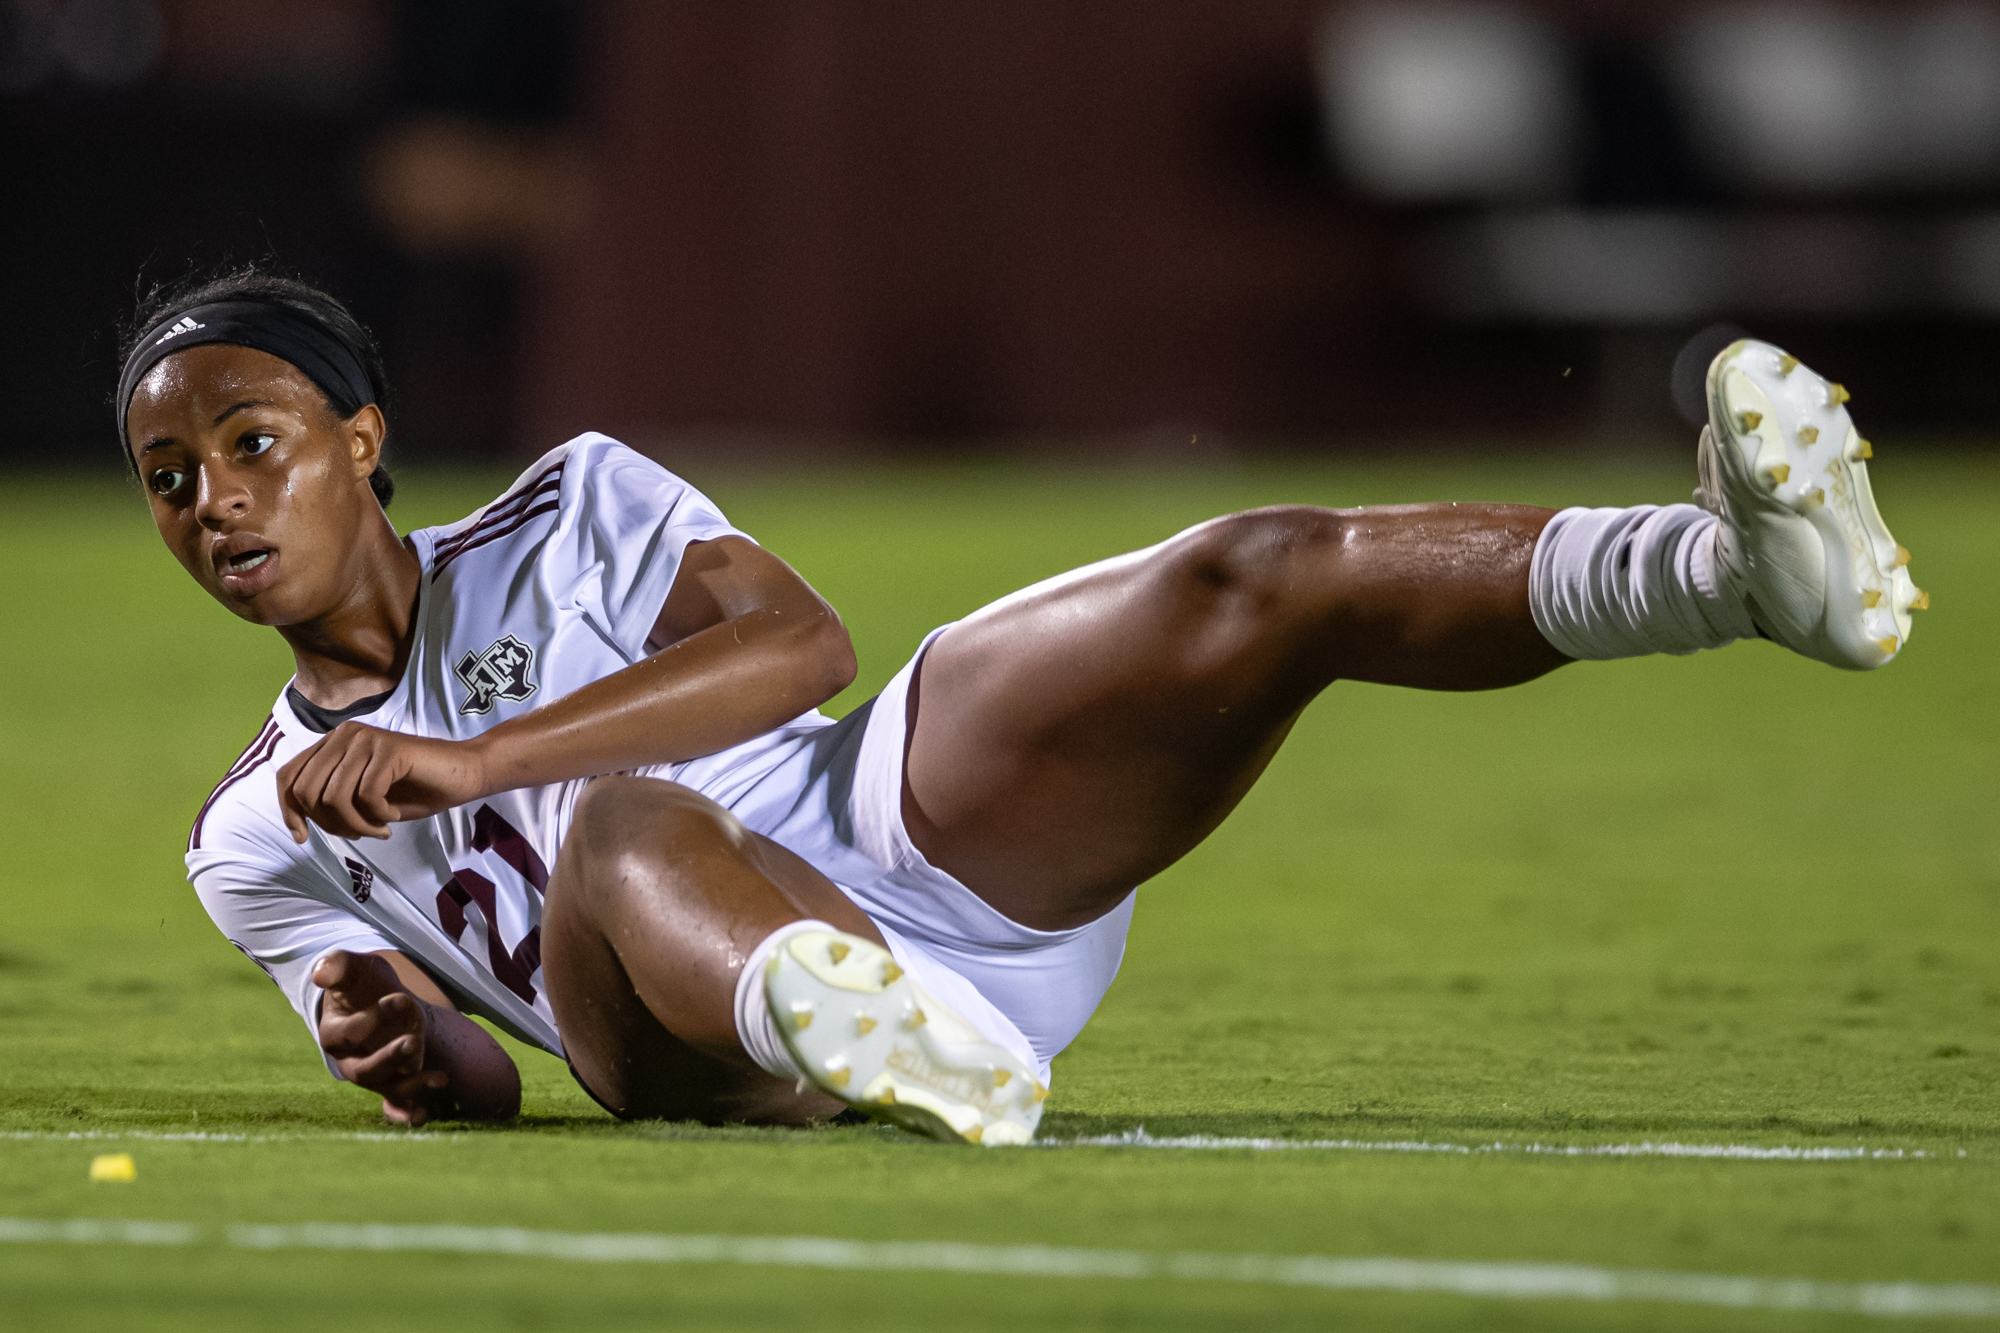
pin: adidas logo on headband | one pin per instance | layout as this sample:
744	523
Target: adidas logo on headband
185	324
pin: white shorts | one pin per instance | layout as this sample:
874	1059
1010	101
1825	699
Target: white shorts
835	798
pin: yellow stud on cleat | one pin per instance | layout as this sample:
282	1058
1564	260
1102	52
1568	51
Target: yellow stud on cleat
1787	364
1921	602
863	1024
838	951
1808	434
1887	645
890	973
840	1078
888	1097
1902	555
1781	472
1836	394
1000	1077
1872	597
1863	449
1815	496
1750	420
1041	1094
914	1021
975	1134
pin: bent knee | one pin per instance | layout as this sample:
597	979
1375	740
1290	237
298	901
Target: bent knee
1255	556
620	820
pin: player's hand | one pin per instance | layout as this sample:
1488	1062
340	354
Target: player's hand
358	780
375	1029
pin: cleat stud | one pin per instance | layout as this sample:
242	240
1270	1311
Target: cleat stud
890	972
1041	1094
802	1015
916	1020
1000	1077
1902	555
1872	598
1921	602
1808	434
1836	394
888	1097
976	1133
1863	449
1888	645
1750	420
840	1078
1787	364
1815	496
863	1025
1781	473
839	951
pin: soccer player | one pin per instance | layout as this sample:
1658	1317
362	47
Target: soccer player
560	764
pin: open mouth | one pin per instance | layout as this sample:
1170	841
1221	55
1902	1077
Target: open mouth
247	561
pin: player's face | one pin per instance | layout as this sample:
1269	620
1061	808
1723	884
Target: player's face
260	491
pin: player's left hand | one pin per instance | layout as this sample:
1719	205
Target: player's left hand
358	780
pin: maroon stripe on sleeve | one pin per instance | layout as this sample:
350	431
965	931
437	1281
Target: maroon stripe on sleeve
502	510
500	515
259	753
493	535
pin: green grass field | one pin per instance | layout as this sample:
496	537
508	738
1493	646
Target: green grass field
1730	900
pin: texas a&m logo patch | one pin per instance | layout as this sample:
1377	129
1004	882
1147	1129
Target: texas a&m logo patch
499	672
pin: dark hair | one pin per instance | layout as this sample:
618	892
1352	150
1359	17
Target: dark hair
163	301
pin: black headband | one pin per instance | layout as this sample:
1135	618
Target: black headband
284	331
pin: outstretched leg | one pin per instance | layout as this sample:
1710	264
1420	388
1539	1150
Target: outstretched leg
658	898
1068	742
1074	739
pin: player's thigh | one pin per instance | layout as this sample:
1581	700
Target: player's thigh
657	897
1072	740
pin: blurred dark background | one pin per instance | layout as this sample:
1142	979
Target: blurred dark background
779	230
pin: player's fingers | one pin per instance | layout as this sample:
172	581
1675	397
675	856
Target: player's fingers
409	1103
338	812
371	796
289	804
310	782
395	1062
333	971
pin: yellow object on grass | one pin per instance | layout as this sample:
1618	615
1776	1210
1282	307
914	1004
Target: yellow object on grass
113	1166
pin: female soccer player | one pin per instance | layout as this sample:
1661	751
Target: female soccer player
560	764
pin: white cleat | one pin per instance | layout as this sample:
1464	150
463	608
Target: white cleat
1800	539
864	1032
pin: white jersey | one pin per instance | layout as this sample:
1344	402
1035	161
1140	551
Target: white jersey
554	585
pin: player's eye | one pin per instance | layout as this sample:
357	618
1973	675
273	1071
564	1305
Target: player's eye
257	442
167	480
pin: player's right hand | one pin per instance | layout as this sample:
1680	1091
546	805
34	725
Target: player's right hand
357	780
374	1029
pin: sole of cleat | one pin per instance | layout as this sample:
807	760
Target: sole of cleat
865	1032
1791	430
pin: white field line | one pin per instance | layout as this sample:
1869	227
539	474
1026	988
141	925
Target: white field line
1131	1138
1502	1280
1139	1138
202	1136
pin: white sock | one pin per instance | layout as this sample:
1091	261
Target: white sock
755	1027
1610	583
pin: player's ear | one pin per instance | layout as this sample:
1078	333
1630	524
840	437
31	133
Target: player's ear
365	431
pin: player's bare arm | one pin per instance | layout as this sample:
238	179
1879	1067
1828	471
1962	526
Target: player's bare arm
744	644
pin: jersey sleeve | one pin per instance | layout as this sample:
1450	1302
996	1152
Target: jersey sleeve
274	907
633	521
